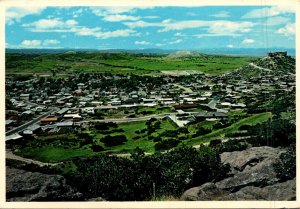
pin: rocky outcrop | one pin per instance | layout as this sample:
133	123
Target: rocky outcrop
251	167
208	191
281	191
252	177
26	186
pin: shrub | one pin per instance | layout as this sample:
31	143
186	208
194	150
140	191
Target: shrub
166	144
97	148
233	145
113	140
285	167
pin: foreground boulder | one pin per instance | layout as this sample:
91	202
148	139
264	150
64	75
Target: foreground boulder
252	177
26	186
251	167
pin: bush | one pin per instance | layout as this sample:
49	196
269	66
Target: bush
97	148
233	145
285	167
113	140
215	142
244	127
201	131
166	144
170	174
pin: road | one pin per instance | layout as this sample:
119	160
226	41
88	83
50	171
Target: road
33	121
127	120
258	67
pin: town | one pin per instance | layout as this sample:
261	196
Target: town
61	123
48	105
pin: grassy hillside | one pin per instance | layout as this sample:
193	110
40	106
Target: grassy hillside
120	63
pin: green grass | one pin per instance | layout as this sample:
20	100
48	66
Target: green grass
53	154
251	120
52	151
143	142
121	63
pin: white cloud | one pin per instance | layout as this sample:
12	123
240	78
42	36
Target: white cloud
70	26
158	44
278	20
166	21
212	27
248	41
151	17
50	23
78	13
221	27
31	43
221	14
71	22
179	34
14	14
50	42
270	11
142	43
38	43
229	46
178	41
104	11
287	30
118	18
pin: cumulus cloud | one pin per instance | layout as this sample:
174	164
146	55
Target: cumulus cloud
178	41
71	26
270	11
119	18
31	43
38	43
142	43
229	46
213	27
14	14
248	41
287	30
50	23
50	42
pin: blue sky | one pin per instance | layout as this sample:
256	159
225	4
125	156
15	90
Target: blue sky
151	27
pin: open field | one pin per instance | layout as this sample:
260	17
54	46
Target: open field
120	63
65	147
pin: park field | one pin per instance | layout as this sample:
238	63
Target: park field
65	63
66	147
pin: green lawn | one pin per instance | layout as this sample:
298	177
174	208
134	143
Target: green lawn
143	142
53	154
251	120
65	147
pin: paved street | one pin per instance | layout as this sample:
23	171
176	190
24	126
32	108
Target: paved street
33	121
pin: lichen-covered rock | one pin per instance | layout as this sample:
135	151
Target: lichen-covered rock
251	167
27	186
252	178
207	191
284	191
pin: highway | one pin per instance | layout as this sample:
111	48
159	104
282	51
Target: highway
33	121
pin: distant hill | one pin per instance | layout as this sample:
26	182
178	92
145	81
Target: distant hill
216	51
184	54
